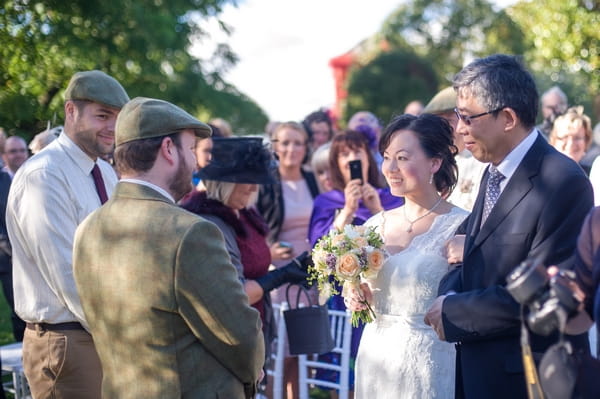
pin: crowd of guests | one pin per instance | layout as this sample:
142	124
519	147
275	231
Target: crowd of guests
130	230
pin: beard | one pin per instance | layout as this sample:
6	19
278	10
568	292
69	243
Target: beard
182	183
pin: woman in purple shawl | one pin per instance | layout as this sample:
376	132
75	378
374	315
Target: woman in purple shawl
350	202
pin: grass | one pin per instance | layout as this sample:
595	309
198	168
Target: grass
6	335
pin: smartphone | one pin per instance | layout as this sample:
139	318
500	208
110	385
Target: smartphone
285	244
356	170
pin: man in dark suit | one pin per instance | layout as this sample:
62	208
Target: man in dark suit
534	207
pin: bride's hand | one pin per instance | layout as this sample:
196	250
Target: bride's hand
355	298
454	248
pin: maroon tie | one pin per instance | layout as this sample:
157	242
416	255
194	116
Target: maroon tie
99	182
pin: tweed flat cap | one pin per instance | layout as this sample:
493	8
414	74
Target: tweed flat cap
98	87
442	102
144	118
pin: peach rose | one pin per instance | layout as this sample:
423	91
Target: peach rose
337	239
361	242
347	266
375	259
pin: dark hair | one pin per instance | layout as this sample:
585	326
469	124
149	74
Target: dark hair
317	117
140	155
435	137
355	141
500	81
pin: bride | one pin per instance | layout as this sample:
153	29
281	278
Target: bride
399	356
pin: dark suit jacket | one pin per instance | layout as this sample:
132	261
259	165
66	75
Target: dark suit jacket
539	214
5	257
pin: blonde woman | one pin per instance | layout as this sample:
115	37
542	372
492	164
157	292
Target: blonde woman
572	134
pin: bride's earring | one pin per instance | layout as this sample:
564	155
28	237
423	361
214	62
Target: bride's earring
431	179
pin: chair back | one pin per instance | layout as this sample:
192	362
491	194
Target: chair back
274	366
341	331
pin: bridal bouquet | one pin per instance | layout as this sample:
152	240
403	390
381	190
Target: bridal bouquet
347	257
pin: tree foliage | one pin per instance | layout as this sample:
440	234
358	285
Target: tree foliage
563	45
448	32
389	82
143	43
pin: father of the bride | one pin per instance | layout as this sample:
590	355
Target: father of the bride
531	203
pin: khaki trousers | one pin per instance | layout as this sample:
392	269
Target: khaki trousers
61	364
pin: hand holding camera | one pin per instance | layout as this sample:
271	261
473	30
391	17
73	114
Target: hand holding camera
549	299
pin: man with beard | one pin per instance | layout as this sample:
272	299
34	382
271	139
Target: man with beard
49	196
168	313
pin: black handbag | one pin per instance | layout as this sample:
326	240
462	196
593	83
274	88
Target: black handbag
308	328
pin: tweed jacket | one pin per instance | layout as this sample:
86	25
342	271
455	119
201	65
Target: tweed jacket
167	312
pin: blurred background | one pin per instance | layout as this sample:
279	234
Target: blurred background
252	61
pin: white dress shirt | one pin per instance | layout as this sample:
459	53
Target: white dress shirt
50	195
511	162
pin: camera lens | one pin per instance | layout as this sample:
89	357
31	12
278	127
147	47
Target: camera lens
526	281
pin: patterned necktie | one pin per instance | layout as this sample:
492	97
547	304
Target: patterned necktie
492	192
99	182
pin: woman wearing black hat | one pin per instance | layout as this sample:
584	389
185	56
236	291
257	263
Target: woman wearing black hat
238	166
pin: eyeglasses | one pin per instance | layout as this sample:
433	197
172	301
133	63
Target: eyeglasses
467	119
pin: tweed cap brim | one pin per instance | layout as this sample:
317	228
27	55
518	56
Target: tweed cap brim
240	160
444	101
98	87
143	118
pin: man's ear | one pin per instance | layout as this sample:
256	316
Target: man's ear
70	110
168	150
511	118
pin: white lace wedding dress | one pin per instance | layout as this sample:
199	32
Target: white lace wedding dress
399	355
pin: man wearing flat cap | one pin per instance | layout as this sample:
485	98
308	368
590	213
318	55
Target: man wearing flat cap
470	170
50	195
168	313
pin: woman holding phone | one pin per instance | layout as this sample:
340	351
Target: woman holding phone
356	196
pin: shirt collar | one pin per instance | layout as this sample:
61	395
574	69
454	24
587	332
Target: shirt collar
152	186
81	159
511	162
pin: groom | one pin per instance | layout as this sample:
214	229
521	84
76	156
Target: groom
534	206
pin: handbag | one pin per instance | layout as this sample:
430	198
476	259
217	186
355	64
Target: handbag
308	328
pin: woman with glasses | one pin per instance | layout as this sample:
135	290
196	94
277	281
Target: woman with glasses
286	205
571	134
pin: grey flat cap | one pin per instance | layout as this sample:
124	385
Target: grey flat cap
442	102
143	118
98	87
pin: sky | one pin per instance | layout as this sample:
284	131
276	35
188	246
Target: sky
284	48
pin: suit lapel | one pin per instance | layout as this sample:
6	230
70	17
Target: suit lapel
475	219
517	188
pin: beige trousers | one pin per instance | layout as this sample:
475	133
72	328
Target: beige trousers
61	364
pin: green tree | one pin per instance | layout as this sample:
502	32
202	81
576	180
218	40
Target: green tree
563	46
448	32
144	44
386	84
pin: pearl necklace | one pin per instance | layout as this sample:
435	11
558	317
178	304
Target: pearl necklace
411	222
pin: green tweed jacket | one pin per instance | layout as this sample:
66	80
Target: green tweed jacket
167	312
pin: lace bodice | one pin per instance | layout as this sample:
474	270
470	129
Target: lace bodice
415	362
408	281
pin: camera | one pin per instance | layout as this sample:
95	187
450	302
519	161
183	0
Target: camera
549	301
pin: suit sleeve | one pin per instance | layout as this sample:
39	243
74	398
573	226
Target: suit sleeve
213	303
491	311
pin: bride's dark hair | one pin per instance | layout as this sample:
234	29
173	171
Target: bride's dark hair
435	136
